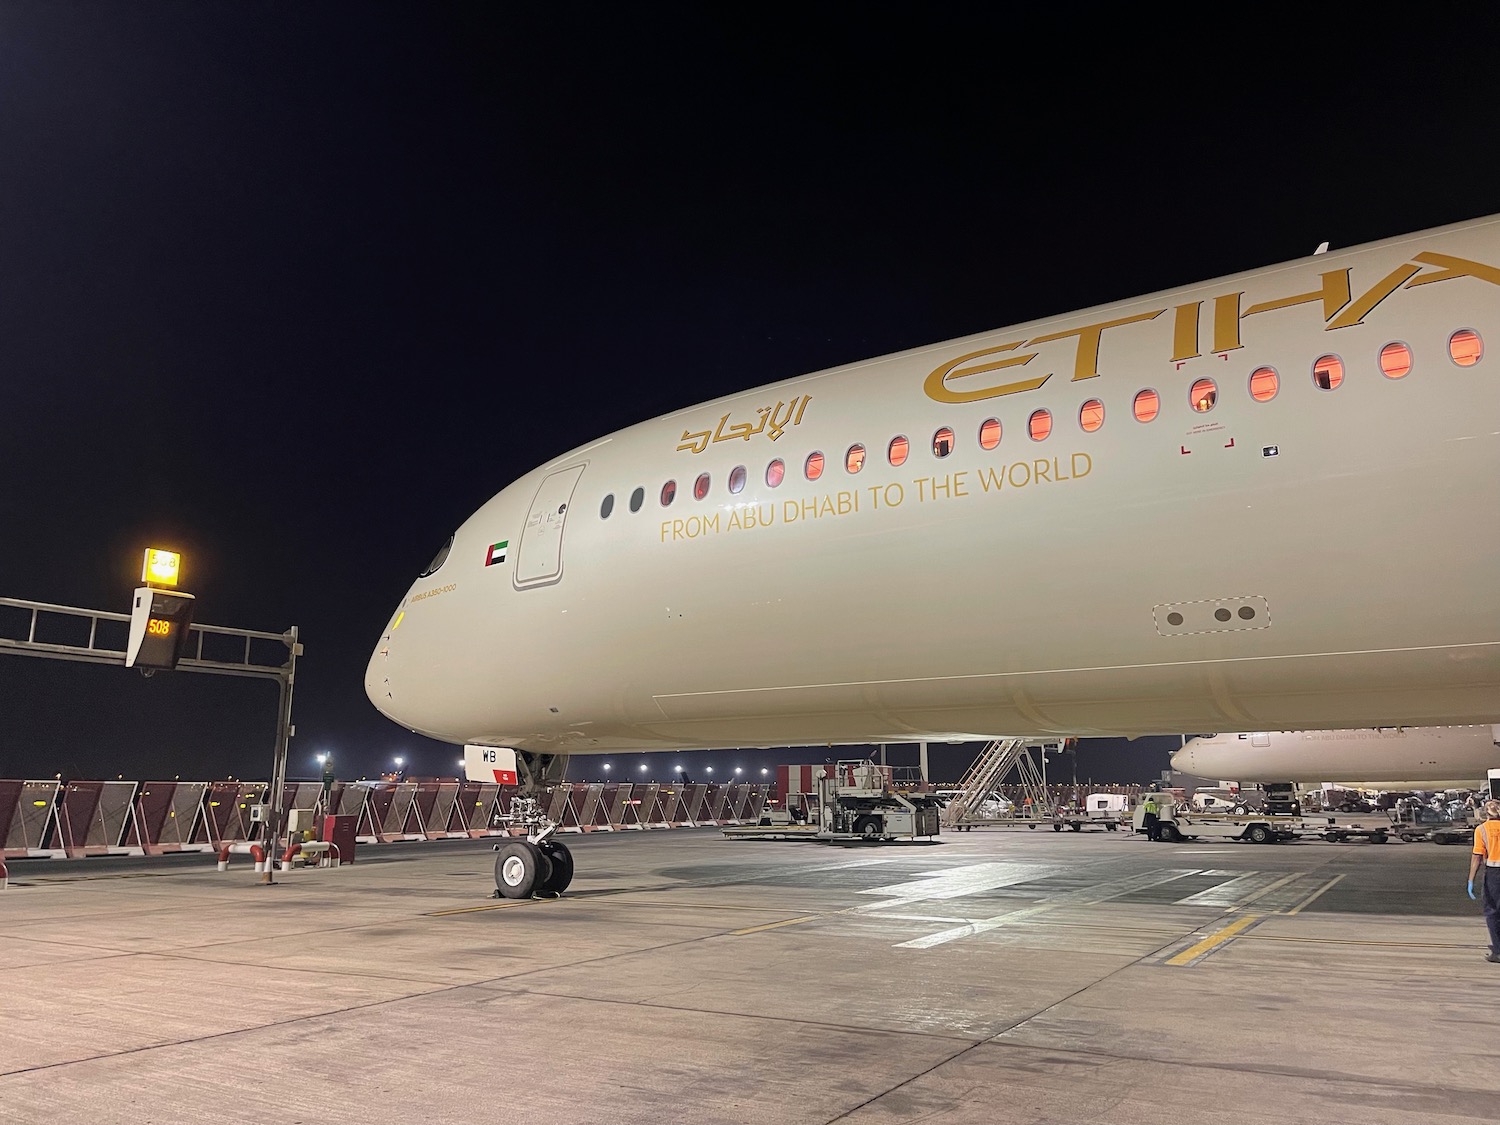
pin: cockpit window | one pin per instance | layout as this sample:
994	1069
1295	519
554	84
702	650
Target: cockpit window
439	559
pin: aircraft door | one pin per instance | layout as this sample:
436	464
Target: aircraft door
1262	739
539	557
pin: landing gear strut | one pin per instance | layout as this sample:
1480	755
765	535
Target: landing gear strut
538	864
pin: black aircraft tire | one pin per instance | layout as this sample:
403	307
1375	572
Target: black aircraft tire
520	869
562	866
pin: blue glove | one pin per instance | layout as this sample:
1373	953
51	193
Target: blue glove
1471	888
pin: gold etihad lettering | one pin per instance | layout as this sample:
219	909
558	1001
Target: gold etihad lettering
768	419
1334	297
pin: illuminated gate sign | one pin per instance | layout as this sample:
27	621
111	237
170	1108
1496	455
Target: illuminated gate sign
159	625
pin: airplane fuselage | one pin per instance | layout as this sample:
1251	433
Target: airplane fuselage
1320	556
1397	757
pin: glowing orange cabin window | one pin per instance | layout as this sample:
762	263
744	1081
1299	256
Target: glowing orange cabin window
1204	394
814	466
775	472
1395	361
1147	406
700	486
1264	383
737	479
1039	425
1328	373
898	451
1465	347
1091	415
989	433
854	460
668	493
942	442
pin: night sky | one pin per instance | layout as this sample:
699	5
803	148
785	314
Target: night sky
295	287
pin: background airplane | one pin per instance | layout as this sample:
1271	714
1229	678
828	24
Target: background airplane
1368	758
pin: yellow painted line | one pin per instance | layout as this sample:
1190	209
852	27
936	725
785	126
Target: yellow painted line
1213	941
773	926
1308	901
491	906
1467	945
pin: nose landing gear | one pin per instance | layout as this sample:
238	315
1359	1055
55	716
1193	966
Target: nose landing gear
536	865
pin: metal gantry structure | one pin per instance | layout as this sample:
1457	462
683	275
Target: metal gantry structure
244	664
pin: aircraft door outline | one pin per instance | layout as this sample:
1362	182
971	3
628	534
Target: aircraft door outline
539	560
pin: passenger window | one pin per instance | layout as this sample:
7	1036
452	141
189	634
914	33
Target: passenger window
989	433
668	493
854	460
737	479
1091	415
898	450
700	486
637	498
1328	373
1039	425
1204	394
775	472
942	442
1395	361
1147	406
814	466
1264	383
1465	348
607	506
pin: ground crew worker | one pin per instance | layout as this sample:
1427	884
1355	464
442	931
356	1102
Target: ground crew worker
1487	858
1151	821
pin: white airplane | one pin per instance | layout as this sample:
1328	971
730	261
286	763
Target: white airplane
1258	502
1370	758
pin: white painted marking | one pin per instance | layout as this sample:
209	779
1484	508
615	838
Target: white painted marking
1086	896
956	882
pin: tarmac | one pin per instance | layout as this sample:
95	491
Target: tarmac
987	977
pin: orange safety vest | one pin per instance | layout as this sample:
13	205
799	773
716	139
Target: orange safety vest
1487	842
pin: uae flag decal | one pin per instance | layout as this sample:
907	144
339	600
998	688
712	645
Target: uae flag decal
496	553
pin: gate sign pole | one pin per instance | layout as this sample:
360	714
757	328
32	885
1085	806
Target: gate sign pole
163	635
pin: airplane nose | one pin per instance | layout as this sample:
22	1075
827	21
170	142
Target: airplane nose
378	687
1183	760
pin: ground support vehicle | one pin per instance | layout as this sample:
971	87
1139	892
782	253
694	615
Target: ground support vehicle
1412	824
1100	810
969	823
855	801
1077	820
1176	823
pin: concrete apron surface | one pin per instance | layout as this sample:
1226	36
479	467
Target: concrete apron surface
990	977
